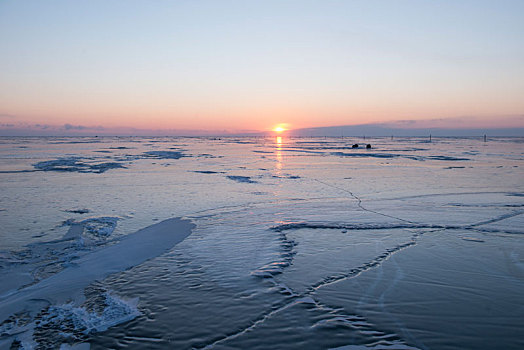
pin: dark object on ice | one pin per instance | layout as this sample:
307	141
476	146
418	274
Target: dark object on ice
355	145
78	211
368	146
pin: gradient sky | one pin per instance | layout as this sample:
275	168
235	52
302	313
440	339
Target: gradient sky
252	64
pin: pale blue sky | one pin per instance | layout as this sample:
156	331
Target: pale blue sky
252	64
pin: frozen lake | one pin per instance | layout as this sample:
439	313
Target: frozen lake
257	243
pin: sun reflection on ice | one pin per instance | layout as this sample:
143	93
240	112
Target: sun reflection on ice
279	153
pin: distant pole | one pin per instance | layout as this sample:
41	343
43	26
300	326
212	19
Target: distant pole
429	137
484	137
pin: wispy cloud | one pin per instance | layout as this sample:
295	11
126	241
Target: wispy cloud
83	127
47	129
68	129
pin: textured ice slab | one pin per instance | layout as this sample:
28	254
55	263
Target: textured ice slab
164	154
68	326
76	164
68	284
238	178
99	226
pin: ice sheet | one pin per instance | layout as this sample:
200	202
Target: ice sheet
302	242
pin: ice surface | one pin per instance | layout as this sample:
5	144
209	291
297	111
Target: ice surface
100	226
302	243
381	345
67	325
164	154
115	312
76	164
239	178
70	282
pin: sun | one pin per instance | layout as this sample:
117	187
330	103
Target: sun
279	129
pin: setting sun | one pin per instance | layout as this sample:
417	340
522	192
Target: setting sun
279	128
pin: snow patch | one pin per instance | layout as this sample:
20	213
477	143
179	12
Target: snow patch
244	179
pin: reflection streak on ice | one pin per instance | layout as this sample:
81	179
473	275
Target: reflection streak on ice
279	153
